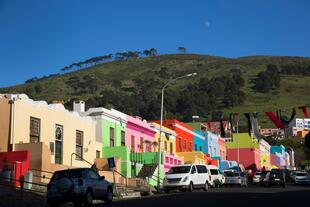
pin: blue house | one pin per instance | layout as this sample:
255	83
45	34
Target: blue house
199	141
211	144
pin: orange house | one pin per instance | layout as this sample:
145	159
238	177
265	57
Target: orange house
185	135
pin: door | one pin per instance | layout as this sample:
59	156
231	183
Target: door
97	184
194	175
202	174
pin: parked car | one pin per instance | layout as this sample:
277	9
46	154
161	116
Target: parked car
275	177
80	185
302	178
264	176
235	178
187	177
257	177
216	178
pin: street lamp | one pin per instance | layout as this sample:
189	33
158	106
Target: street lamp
161	120
238	149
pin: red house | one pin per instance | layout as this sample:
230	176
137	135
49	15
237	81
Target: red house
185	135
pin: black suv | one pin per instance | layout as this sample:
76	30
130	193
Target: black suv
275	177
80	185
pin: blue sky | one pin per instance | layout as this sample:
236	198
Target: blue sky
39	37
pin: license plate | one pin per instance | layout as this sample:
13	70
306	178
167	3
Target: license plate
277	179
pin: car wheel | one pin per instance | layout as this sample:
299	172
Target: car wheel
206	188
88	198
190	187
109	195
166	191
283	185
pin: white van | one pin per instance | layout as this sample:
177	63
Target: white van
187	177
216	178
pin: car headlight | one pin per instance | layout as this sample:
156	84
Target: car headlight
185	178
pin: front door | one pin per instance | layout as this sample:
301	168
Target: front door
194	175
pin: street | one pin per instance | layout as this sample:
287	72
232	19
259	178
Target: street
235	196
250	196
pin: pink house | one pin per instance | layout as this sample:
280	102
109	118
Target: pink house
222	148
140	137
249	157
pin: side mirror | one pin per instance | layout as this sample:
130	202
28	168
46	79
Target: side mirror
102	178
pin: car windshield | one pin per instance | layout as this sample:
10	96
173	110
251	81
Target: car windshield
67	174
179	170
301	174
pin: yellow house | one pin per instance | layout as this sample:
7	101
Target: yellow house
168	146
54	136
193	157
167	139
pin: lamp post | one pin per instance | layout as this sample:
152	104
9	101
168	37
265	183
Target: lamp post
238	149
161	120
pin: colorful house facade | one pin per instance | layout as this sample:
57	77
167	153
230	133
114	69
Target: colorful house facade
199	141
110	132
55	137
185	136
249	153
168	146
212	144
264	148
278	155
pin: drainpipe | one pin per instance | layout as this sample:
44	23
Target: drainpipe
10	146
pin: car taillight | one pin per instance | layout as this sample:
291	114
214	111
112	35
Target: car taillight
80	181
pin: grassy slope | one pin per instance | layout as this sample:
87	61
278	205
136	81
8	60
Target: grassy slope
293	91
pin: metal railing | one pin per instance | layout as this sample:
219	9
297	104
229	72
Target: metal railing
10	182
82	159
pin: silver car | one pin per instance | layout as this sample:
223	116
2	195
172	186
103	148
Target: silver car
257	177
235	178
302	178
80	185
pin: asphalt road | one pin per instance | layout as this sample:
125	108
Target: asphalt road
293	196
235	196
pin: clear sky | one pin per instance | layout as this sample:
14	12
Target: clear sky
38	37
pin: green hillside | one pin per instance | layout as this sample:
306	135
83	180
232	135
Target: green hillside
133	86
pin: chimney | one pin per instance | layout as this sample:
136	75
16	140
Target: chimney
79	106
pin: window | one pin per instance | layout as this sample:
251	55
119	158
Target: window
195	147
214	172
132	143
79	145
201	169
141	144
165	147
190	146
185	147
193	170
180	144
148	146
112	137
97	154
123	142
34	130
171	148
92	174
58	143
200	148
